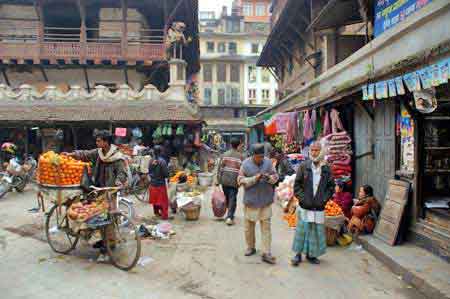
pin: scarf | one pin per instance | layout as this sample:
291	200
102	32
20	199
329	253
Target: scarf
114	154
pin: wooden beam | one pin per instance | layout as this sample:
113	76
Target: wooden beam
125	74
322	12
124	28
86	77
172	14
44	74
302	36
299	61
83	33
5	76
273	74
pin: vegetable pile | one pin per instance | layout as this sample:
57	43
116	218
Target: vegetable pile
60	170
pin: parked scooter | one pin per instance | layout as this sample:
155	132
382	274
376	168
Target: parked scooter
18	180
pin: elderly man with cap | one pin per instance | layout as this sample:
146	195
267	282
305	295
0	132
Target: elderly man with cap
314	186
258	176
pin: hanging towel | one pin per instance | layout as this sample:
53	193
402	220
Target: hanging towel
318	126
326	124
313	120
307	130
336	123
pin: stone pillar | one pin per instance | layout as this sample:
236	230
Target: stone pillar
177	72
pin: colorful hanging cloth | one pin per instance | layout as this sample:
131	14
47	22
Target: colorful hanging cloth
336	123
270	125
307	129
326	124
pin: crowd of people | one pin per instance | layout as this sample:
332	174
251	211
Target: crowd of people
314	187
257	175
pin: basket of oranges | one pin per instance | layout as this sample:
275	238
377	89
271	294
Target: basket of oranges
60	171
334	219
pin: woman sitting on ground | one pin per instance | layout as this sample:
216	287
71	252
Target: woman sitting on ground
365	211
343	199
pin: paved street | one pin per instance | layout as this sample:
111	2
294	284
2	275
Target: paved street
204	260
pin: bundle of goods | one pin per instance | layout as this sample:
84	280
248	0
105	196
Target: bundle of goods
218	203
60	170
334	219
83	211
181	178
285	190
125	149
339	156
295	160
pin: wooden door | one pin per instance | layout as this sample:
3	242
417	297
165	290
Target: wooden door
375	147
363	128
383	168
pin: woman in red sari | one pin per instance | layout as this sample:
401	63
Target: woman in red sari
343	199
159	173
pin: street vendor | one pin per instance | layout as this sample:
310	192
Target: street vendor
314	186
365	212
343	198
109	170
159	173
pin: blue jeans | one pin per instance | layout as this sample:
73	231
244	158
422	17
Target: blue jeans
231	197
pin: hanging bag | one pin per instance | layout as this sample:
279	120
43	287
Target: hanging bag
218	202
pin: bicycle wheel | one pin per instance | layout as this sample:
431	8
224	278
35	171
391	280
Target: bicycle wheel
60	236
123	243
141	194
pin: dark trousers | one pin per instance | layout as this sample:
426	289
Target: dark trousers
231	197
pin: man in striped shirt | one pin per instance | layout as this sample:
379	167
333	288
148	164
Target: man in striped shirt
227	175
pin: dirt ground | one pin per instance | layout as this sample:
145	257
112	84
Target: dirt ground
203	260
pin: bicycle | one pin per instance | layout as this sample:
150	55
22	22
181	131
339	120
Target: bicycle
63	237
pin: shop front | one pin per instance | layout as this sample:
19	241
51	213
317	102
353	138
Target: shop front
402	132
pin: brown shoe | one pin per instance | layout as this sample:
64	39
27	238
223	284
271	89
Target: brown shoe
250	252
268	258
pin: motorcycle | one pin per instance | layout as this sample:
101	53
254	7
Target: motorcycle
19	181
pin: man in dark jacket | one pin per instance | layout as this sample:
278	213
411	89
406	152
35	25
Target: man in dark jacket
159	173
283	167
227	174
314	186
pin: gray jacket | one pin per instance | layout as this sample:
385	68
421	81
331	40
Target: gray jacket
258	194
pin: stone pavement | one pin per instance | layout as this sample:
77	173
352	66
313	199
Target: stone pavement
204	260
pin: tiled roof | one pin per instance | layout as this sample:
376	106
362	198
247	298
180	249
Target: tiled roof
79	111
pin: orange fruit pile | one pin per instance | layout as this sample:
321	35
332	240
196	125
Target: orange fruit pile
332	209
83	211
291	219
59	170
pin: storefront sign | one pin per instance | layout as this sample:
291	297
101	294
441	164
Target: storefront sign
120	132
388	13
425	78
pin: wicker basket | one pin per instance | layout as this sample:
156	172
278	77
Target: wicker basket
332	236
192	212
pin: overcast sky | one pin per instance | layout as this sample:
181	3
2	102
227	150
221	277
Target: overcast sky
215	5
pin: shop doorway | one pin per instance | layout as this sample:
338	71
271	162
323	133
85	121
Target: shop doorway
375	147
